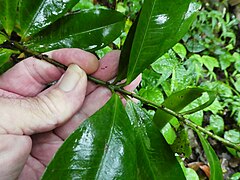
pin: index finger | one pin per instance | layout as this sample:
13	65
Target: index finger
30	76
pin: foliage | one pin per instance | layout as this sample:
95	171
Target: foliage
132	142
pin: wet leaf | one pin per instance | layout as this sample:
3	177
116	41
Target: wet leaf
8	14
4	56
126	51
177	101
158	19
3	38
155	158
215	166
152	94
103	147
180	50
169	133
216	124
233	136
89	30
36	15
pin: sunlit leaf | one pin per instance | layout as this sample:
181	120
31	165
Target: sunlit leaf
89	30
103	147
233	136
216	124
4	56
8	14
158	19
177	101
126	51
155	158
3	38
36	15
215	166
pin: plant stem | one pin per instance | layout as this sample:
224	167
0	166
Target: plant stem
218	138
119	89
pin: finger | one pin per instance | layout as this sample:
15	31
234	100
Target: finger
33	169
107	69
47	110
45	146
92	103
14	151
30	76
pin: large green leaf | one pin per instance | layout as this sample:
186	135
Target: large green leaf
154	156
103	147
8	13
161	25
126	51
177	101
88	29
215	166
36	15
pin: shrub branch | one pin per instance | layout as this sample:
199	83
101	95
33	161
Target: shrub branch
119	89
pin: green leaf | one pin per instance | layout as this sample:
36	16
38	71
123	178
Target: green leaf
182	145
180	50
169	133
161	25
103	147
209	62
233	136
126	51
215	166
154	156
176	102
89	30
3	38
216	124
36	15
152	94
8	14
235	176
4	56
191	174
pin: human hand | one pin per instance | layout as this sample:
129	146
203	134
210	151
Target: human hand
42	112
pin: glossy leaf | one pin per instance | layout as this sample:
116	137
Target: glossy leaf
154	156
158	19
36	15
177	101
3	38
233	136
89	30
101	148
126	51
8	14
215	166
4	56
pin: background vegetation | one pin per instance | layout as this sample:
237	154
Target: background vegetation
208	56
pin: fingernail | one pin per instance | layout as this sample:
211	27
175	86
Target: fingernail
71	78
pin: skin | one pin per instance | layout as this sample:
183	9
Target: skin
34	120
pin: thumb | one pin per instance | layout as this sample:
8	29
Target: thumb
49	109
